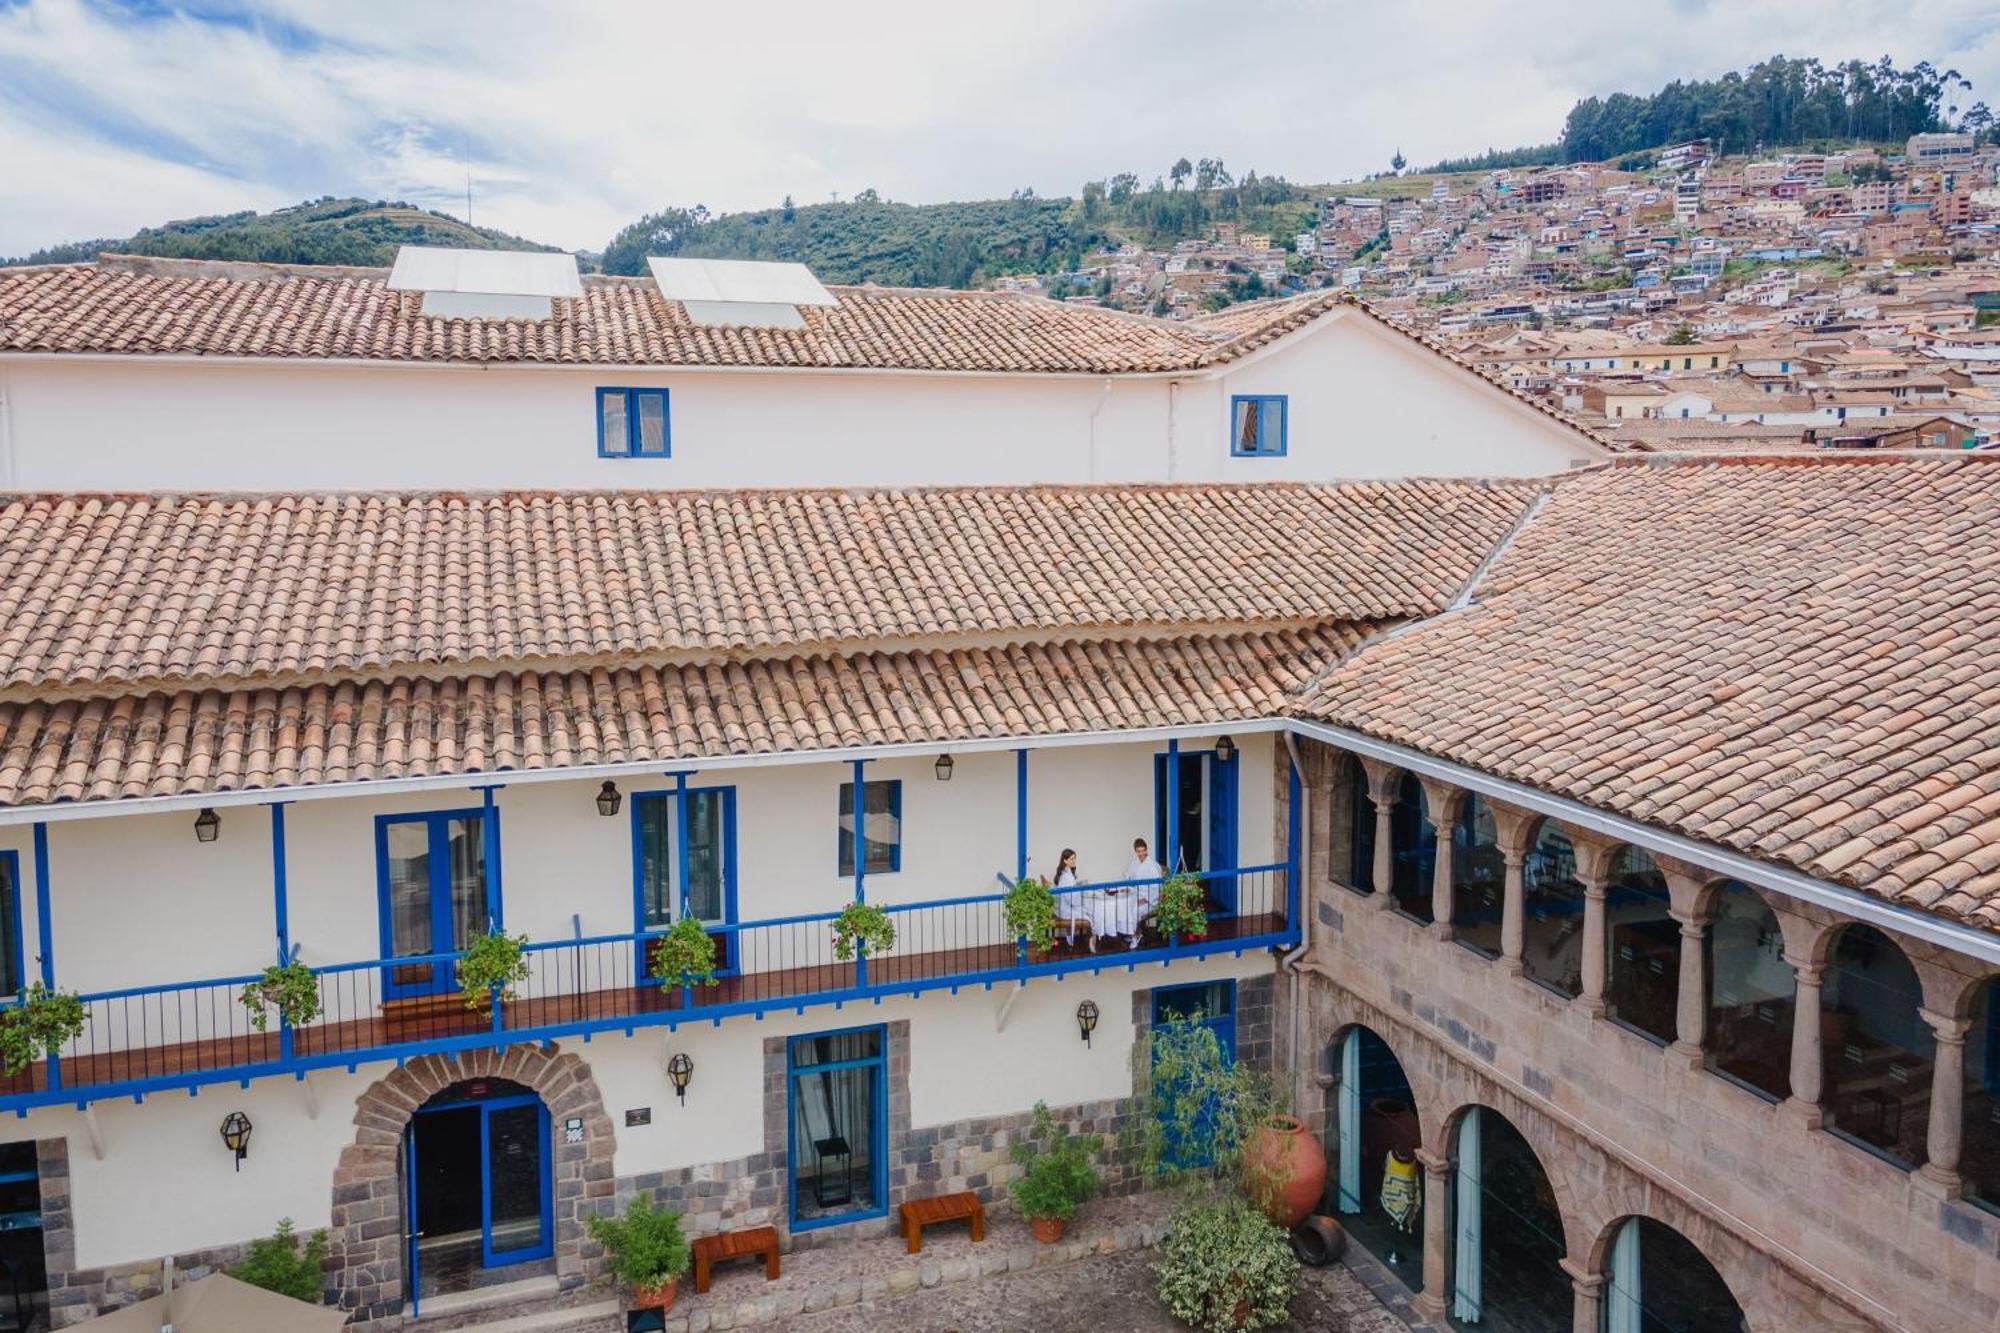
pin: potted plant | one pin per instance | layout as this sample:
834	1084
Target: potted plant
490	962
38	1025
1224	1266
862	923
1284	1170
646	1252
1182	912
282	1264
290	988
684	956
1056	1175
1029	909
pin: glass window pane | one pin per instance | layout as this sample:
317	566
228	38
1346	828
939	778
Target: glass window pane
833	1136
514	1151
1750	994
652	423
1644	970
409	862
613	433
1478	877
881	826
1979	1159
468	878
1878	1049
705	855
657	892
1552	928
1271	435
1414	842
1361	870
1244	428
11	980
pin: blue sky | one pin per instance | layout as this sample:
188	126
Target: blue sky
573	118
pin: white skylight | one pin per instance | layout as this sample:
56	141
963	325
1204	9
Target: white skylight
486	284
740	291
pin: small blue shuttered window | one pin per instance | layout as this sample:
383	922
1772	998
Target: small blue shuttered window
1257	425
632	423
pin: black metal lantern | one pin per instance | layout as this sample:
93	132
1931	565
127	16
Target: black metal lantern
1225	749
609	799
681	1070
1086	1019
943	767
236	1135
207	826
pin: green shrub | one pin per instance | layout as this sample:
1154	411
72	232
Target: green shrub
279	1263
1030	912
40	1024
1225	1266
868	924
498	959
644	1247
292	990
684	956
1056	1174
1181	911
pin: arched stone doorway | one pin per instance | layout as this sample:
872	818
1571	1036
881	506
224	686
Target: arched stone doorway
1508	1240
1376	1184
1657	1281
370	1192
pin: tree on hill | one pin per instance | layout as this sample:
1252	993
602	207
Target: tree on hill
666	232
1180	172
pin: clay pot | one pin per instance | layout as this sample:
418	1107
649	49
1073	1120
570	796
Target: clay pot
1318	1241
1048	1230
1286	1168
658	1297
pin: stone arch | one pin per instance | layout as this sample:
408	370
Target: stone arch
1549	1161
367	1250
1716	1248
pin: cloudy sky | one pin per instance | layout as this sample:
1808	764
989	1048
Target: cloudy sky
573	117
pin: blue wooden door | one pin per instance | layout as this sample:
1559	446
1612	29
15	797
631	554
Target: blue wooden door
1210	1006
431	873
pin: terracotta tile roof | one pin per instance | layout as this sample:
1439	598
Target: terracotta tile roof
129	591
294	312
1797	659
170	744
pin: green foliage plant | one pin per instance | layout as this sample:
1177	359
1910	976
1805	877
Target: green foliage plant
684	956
1199	1112
38	1025
1181	911
493	961
291	989
1029	910
1056	1172
280	1263
645	1247
1225	1266
866	923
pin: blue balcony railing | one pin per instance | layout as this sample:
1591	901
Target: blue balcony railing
153	1038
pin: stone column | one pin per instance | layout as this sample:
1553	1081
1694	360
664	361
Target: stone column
1591	1001
1513	912
1437	1234
1441	883
1939	1176
1691	1012
1808	1065
1589	1304
1382	795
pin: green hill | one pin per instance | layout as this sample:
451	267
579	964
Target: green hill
321	231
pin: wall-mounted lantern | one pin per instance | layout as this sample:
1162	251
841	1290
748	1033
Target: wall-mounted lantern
236	1135
943	767
681	1070
1225	749
609	799
207	826
1086	1019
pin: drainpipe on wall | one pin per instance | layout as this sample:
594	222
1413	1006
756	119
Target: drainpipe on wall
1173	441
1290	962
1103	397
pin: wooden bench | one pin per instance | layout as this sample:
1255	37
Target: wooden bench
726	1245
961	1207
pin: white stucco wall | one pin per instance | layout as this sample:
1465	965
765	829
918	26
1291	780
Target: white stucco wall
1364	403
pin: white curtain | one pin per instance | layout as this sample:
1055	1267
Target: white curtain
1466	1289
1625	1306
1350	1122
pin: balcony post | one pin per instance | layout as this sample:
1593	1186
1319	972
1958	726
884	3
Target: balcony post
681	842
1020	814
860	864
281	911
489	837
45	933
1170	793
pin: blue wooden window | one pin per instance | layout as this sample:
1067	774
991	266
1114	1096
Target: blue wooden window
632	423
13	958
433	892
881	826
1257	425
837	1126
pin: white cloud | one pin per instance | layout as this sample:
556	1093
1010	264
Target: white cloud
574	119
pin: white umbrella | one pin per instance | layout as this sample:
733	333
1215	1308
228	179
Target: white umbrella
219	1303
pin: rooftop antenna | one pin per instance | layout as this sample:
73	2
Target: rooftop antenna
468	181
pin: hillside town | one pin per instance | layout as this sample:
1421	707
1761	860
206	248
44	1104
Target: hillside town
1805	299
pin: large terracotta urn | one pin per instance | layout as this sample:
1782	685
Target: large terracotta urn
1286	1171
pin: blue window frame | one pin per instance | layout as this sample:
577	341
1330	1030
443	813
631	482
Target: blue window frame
711	863
1257	425
1211	1005
881	827
633	423
513	1226
13	952
837	1126
433	891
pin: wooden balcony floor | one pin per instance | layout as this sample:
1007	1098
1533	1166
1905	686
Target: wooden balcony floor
446	1015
